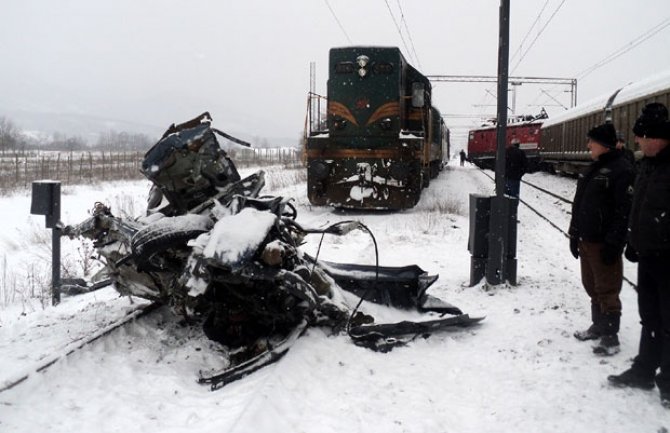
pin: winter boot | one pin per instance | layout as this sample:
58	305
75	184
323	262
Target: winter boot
609	342
595	330
607	346
633	378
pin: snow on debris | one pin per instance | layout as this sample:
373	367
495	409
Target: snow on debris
235	236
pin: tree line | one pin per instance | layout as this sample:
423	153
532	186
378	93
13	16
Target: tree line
15	141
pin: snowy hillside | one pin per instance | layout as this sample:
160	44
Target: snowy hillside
519	371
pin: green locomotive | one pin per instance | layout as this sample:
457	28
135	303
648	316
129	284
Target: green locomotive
382	140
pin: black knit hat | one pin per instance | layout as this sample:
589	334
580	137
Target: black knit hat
604	134
653	122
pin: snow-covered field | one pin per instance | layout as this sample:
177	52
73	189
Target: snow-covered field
519	371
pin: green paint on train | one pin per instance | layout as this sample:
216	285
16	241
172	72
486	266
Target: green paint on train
380	141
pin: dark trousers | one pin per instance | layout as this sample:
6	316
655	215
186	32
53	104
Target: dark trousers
653	300
602	282
512	187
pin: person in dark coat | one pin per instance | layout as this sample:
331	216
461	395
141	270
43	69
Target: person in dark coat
649	245
598	234
516	165
621	146
462	155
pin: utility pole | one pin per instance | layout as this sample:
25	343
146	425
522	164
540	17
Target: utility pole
503	74
493	219
501	263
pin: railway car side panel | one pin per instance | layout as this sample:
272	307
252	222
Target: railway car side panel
563	145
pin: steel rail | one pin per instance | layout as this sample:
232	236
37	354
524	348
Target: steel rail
73	347
554	225
563	199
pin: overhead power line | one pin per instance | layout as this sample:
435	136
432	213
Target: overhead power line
409	35
338	21
539	15
616	53
537	36
537	19
399	31
625	48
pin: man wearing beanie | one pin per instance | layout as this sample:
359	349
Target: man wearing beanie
649	245
598	234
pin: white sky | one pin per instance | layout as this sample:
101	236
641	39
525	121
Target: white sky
247	62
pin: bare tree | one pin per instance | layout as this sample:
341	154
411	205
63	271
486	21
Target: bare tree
9	135
114	140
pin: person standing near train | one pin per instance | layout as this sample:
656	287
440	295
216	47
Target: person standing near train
598	229
649	246
516	165
623	148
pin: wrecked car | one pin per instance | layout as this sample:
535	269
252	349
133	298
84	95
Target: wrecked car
217	252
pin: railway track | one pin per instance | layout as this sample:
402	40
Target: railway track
76	345
544	217
563	199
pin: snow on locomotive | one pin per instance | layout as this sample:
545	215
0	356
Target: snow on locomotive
382	140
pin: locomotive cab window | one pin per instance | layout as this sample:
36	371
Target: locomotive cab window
418	95
382	68
345	68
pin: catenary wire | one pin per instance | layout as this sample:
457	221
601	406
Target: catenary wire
537	19
409	34
338	22
616	53
485	97
395	22
624	49
544	27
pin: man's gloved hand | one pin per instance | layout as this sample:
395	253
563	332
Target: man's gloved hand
610	253
574	247
631	254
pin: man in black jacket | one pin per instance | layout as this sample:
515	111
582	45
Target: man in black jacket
649	245
516	165
598	234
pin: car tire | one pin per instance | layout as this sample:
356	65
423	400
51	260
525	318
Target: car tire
166	233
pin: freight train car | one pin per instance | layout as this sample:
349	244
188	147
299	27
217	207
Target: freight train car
482	142
563	137
382	141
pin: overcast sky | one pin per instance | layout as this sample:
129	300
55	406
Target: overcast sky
153	62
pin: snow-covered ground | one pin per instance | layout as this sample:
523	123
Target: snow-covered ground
519	371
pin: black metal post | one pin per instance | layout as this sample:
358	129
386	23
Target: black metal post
46	201
55	266
499	223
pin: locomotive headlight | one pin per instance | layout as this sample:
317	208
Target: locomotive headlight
362	61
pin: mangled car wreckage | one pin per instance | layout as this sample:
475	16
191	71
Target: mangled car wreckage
218	252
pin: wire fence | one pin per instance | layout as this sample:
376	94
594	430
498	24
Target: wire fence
18	171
